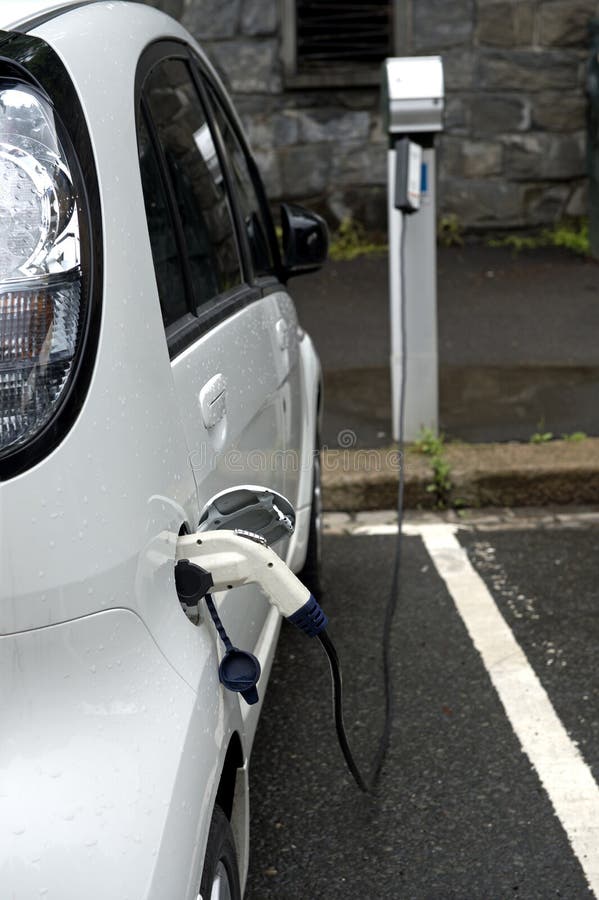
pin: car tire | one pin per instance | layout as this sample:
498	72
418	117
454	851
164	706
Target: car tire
220	878
310	573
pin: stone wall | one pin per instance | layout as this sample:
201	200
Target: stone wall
513	152
323	148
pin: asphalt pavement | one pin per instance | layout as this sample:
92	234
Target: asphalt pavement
468	805
517	339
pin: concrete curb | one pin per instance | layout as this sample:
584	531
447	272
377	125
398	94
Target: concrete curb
508	475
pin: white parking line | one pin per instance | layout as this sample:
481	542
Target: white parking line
563	772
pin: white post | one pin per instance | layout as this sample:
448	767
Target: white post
413	91
420	280
395	224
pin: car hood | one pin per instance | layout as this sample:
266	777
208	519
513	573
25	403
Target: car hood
95	723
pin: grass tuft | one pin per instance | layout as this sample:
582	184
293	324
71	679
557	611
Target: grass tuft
352	240
571	235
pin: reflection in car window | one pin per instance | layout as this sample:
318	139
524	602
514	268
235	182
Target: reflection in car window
197	180
246	192
167	263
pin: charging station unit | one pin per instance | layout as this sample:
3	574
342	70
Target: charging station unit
413	104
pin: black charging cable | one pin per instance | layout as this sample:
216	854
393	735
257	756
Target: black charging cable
391	607
329	649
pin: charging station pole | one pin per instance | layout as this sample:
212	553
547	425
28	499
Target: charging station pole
413	101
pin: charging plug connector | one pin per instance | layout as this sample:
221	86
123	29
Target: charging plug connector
229	559
221	560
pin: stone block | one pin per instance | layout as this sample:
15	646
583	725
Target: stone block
524	23
318	125
285	128
247	104
305	169
270	169
212	19
479	204
259	17
258	129
250	67
359	99
555	111
449	156
540	156
505	24
309	99
545	203
534	71
357	163
460	70
457	115
438	25
378	131
365	203
563	23
498	114
339	207
578	201
268	129
469	159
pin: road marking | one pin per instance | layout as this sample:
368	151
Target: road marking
563	772
559	764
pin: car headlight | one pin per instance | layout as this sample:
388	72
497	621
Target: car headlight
42	290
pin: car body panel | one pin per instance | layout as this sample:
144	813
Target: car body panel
96	761
88	538
309	376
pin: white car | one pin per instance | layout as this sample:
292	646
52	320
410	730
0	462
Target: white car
150	358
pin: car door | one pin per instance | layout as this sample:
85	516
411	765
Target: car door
225	360
279	309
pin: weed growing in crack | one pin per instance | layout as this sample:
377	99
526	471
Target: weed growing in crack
433	446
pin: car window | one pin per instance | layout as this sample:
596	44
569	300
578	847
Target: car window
251	210
197	180
167	262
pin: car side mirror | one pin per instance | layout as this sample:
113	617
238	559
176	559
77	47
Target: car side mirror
250	508
305	240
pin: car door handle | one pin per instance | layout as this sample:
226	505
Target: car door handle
213	400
